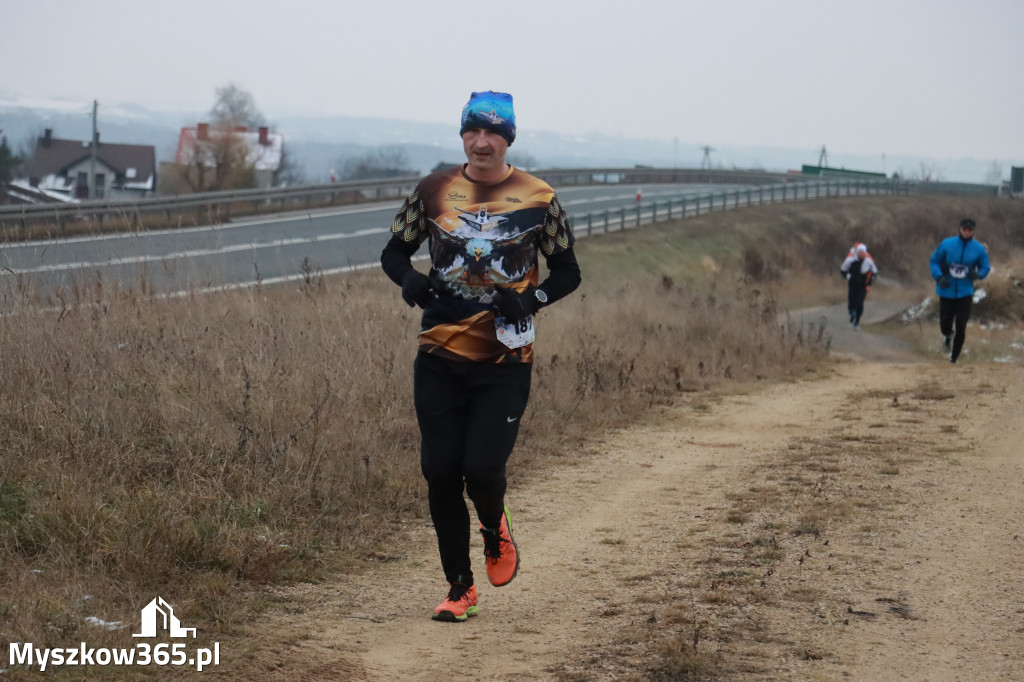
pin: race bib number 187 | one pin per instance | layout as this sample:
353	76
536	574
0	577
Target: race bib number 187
515	334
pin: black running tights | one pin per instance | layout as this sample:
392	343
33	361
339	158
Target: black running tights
855	302
958	310
469	415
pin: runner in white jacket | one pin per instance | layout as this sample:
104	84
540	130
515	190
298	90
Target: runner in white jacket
859	269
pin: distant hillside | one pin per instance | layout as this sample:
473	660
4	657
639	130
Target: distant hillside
320	144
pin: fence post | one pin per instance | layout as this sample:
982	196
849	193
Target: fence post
590	223
607	219
622	219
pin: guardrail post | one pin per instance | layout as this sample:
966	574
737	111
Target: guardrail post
607	219
638	205
590	223
622	219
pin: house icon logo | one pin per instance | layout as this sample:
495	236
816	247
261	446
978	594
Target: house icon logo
157	615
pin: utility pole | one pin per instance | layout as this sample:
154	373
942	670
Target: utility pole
823	158
706	161
92	154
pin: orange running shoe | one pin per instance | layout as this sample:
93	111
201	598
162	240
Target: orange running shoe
459	605
500	552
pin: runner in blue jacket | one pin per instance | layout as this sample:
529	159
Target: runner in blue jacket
956	264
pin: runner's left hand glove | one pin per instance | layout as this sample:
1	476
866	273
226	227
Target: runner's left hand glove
514	306
416	289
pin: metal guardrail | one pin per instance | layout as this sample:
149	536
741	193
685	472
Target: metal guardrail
226	204
212	206
611	220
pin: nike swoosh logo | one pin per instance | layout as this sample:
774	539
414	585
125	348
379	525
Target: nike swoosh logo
511	419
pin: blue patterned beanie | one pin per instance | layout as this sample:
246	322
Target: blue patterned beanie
491	111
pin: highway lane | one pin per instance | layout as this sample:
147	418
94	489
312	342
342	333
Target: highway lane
268	249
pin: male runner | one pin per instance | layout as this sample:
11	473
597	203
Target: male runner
486	222
955	265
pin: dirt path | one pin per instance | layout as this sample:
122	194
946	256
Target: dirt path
866	525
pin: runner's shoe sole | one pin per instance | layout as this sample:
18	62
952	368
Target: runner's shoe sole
449	617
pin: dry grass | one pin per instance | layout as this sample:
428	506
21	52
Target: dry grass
200	448
204	447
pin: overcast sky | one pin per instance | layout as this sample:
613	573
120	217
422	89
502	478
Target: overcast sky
937	78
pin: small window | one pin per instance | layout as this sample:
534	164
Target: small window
130	173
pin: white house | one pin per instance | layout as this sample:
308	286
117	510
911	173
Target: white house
118	171
203	144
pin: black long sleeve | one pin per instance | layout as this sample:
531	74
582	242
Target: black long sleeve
396	259
563	275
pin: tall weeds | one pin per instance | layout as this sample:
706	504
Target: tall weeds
196	446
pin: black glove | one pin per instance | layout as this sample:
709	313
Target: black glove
944	281
416	289
514	306
973	274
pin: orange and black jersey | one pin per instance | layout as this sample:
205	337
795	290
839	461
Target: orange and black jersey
482	237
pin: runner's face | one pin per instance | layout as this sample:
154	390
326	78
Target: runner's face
485	151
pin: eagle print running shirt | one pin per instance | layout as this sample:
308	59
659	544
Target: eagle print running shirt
482	237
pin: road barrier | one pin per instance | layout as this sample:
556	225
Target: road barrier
612	220
213	207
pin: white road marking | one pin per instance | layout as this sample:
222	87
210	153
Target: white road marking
196	253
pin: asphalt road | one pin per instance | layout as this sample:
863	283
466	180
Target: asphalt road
267	249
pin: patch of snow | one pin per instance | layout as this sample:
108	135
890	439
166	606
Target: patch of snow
98	622
979	295
59	196
914	312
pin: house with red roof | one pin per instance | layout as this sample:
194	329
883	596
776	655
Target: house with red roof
221	157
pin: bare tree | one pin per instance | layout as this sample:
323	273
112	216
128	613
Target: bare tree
235	106
290	172
383	162
218	156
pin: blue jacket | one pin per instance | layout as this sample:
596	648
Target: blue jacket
960	263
